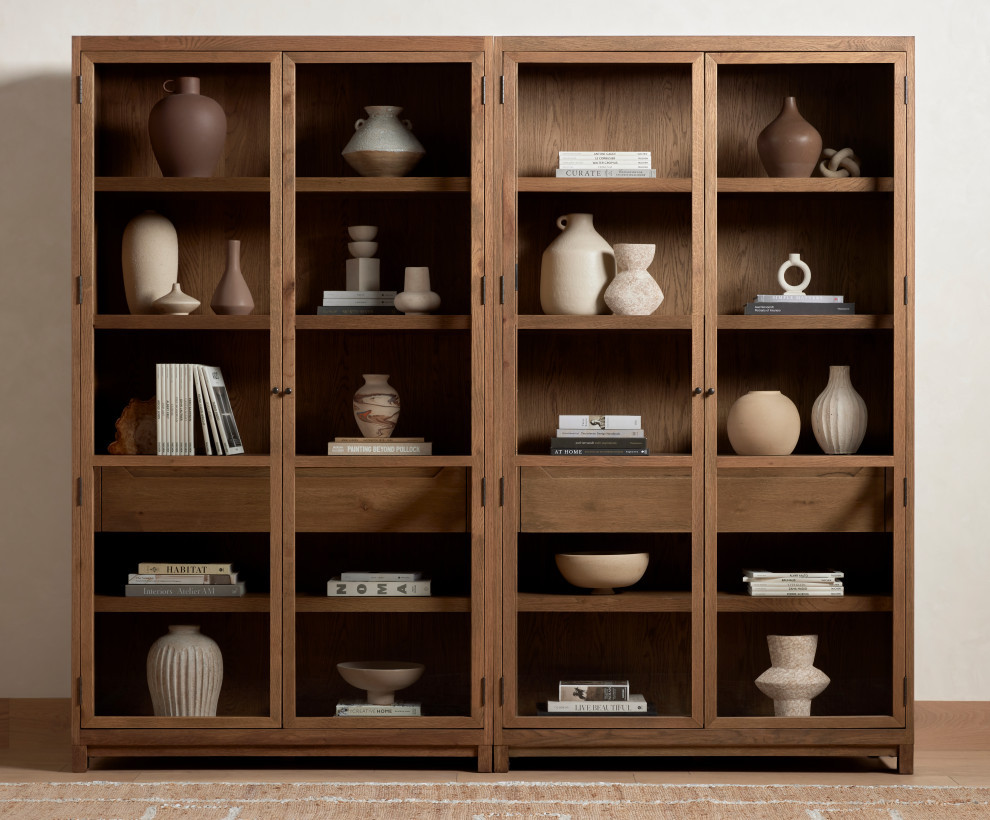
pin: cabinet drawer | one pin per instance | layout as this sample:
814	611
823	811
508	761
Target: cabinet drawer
178	499
381	499
853	500
602	499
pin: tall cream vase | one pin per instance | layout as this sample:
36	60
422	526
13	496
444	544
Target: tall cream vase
185	672
838	416
150	260
576	269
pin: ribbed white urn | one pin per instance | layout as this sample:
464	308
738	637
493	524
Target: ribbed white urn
150	260
792	680
838	416
185	672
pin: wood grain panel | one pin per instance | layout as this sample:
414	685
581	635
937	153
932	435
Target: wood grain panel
660	219
846	240
381	500
750	97
782	185
604	107
175	499
641	373
846	501
599	500
330	97
252	602
126	93
797	363
953	725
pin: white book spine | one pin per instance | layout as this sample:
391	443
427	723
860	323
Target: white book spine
412	449
159	401
201	404
360	294
180	403
603	154
593	433
605	163
636	703
187	379
784	593
797	297
607	173
210	417
378	589
380	576
602	422
225	413
169	410
359	301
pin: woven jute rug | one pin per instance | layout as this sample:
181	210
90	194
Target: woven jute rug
103	800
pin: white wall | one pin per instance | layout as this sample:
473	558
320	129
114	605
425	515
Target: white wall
953	291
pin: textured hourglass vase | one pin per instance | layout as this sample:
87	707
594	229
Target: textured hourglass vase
792	680
187	131
789	146
763	423
383	145
576	269
633	292
176	303
839	416
417	298
232	296
376	406
185	672
150	261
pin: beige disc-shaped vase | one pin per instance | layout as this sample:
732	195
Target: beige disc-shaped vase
376	406
176	302
185	672
763	423
232	296
187	131
383	145
790	146
792	680
576	269
633	292
149	257
838	416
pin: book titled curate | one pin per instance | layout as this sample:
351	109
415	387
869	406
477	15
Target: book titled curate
150	568
594	443
799	309
635	704
184	590
160	578
594	451
593	690
378	589
347	708
607	173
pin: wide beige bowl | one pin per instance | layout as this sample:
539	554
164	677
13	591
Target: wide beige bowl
601	571
381	679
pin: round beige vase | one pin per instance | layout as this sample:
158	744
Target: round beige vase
185	672
763	423
376	406
417	299
792	680
838	416
150	259
383	145
576	269
176	302
633	292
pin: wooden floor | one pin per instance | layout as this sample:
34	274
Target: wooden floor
34	746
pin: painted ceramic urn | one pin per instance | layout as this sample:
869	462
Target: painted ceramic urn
576	269
187	131
376	406
789	146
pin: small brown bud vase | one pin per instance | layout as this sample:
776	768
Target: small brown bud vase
789	146
232	296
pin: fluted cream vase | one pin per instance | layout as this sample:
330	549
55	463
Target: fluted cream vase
185	671
792	680
838	416
150	260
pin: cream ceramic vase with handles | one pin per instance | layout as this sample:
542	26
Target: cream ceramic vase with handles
577	267
383	145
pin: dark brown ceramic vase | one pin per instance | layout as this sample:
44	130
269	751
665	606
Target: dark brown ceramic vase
789	146
187	131
232	296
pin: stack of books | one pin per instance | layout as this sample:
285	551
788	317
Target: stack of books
179	390
596	697
360	584
599	435
358	446
605	164
183	581
766	584
357	303
799	304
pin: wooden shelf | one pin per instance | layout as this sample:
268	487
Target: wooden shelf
866	321
251	602
430	603
308	322
754	185
739	602
357	185
535	322
385	461
629	601
193	322
178	185
223	462
658	460
634	185
822	462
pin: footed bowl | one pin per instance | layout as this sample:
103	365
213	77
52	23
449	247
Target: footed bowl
380	679
602	571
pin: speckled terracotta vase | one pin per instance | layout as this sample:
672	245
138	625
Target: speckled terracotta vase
792	681
790	146
382	145
838	416
376	406
185	672
187	131
633	292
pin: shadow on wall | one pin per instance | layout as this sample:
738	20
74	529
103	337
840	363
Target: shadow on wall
35	369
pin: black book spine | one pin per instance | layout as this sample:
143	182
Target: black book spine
598	443
799	309
588	451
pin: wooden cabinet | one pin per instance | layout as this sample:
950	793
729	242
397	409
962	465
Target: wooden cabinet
484	380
